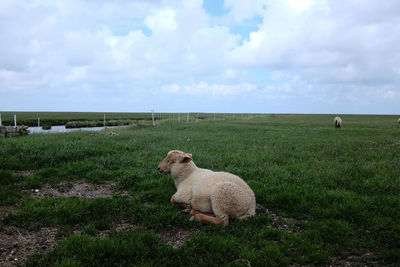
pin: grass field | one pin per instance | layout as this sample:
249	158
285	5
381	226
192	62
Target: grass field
324	196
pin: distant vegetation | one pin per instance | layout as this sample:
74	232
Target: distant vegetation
96	119
62	118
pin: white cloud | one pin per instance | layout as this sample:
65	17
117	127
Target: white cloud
299	5
170	88
326	40
305	50
163	21
204	89
76	74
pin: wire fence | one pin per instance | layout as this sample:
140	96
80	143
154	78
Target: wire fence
82	119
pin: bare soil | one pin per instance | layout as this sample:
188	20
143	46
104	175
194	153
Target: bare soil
80	189
177	237
18	244
121	227
358	259
285	224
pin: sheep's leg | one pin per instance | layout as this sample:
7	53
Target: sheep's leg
194	212
181	197
206	219
184	205
187	207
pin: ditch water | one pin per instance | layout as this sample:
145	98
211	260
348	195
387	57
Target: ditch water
62	129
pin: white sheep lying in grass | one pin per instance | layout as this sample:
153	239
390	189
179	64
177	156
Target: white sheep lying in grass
338	122
205	193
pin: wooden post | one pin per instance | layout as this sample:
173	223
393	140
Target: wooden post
197	118
187	120
0	119
104	121
38	122
214	115
152	117
15	120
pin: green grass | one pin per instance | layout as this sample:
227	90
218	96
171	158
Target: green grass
340	186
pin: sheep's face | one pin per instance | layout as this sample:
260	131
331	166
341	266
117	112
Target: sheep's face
174	160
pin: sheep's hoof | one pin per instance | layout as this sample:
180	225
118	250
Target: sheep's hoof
172	200
193	212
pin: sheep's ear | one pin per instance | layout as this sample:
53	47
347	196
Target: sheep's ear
186	158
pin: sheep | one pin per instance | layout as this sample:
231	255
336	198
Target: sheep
338	122
205	193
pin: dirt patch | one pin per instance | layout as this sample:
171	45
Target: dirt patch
177	237
121	227
358	259
80	189
26	172
285	224
18	244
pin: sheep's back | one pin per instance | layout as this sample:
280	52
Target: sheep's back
205	180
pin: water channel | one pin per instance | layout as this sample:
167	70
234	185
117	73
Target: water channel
62	129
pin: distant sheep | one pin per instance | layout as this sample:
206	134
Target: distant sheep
205	193
338	122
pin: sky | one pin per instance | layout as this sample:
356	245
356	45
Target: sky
239	56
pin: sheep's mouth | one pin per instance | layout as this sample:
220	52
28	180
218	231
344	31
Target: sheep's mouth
161	171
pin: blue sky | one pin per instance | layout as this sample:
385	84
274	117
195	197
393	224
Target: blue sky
264	56
215	8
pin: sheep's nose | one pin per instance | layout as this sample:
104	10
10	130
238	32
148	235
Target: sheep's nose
158	169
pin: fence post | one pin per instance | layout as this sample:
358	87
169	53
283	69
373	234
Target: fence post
0	119
179	116
187	120
38	122
197	118
152	117
15	120
104	121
